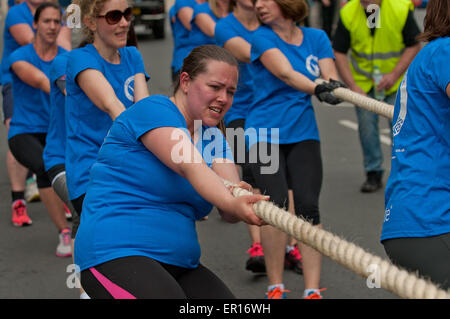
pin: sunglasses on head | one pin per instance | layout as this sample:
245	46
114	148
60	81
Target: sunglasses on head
114	16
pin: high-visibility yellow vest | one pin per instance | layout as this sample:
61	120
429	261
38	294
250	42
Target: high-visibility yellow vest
384	48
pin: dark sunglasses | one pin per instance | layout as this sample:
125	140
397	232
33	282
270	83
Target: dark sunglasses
114	16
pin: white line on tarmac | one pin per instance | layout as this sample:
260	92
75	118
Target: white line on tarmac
354	126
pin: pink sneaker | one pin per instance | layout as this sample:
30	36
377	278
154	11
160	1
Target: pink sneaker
293	261
19	213
67	212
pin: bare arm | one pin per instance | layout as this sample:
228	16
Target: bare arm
345	72
391	78
100	92
239	48
22	33
205	23
166	142
328	69
65	38
140	87
277	63
229	172
31	75
185	16
448	90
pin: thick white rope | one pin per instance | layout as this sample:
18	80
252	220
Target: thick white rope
367	103
399	281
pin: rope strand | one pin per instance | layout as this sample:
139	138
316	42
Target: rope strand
392	278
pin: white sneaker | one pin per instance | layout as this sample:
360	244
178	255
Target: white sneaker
64	248
31	190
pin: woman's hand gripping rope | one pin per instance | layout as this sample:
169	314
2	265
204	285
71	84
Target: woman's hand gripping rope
242	207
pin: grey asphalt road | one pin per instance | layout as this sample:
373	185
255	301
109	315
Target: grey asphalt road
30	269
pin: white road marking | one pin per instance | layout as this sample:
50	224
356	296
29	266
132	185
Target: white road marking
354	126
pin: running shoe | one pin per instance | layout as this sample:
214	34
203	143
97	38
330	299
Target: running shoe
315	295
19	213
293	261
31	190
67	212
277	293
256	262
64	248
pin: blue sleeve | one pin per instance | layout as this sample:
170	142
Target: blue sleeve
323	45
136	57
80	60
215	145
261	42
147	115
15	16
179	4
440	67
18	55
201	8
223	32
58	67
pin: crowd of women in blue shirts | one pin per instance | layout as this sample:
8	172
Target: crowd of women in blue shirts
90	132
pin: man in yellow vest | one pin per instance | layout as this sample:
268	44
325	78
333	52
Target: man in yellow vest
381	35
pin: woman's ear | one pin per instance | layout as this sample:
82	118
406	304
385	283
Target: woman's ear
90	22
185	80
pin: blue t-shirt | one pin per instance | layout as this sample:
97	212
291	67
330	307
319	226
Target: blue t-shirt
226	29
417	197
55	146
135	204
182	45
31	105
18	14
86	124
196	36
276	104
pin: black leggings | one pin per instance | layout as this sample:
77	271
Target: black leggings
299	169
77	204
28	149
430	256
145	278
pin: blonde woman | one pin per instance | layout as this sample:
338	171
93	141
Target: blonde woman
103	79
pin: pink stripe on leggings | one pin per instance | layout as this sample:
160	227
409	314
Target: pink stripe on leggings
115	291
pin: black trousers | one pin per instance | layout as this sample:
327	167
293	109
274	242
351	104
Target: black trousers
299	168
146	278
430	256
28	149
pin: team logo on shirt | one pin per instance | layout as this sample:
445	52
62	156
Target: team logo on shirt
129	88
312	65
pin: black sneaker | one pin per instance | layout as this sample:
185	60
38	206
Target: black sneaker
256	261
372	183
